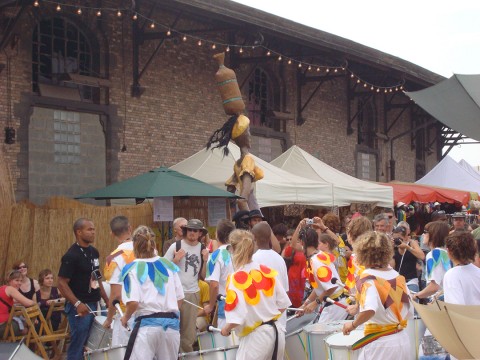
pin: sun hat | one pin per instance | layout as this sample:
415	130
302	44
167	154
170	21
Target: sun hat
195	224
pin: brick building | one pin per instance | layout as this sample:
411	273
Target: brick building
99	91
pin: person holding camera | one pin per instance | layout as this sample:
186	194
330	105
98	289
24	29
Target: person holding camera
406	253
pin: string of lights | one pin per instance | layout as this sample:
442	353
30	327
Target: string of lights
218	45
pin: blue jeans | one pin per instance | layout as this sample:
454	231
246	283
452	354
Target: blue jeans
79	330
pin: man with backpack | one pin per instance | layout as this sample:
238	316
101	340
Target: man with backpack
189	255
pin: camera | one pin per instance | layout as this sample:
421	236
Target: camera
309	221
397	242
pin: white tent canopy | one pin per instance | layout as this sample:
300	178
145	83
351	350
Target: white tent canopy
346	189
278	187
471	170
450	174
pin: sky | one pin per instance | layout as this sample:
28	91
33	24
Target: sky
441	36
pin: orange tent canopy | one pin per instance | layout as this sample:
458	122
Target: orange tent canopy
408	192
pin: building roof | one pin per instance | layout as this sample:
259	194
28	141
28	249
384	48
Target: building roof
239	14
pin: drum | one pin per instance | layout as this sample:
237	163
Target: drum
211	340
228	353
295	346
115	353
339	346
99	337
295	341
315	335
416	330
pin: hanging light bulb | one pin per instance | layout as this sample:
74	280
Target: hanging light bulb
199	42
390	90
58	8
79	11
227	49
152	25
351	75
396	89
289	62
134	17
365	85
119	13
299	65
269	53
99	13
372	88
309	68
169	32
401	87
36	3
358	81
214	47
184	38
378	90
328	70
279	57
336	70
241	50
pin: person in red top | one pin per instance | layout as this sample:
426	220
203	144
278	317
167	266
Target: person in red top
8	295
296	261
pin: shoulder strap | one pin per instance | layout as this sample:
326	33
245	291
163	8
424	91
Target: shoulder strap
9	307
178	245
201	257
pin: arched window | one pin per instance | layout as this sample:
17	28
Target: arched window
59	47
258	98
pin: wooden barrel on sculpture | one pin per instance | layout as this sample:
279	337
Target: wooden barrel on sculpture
228	86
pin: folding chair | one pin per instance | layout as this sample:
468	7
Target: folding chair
44	335
9	334
63	327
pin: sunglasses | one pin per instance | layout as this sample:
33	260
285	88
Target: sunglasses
22	267
193	230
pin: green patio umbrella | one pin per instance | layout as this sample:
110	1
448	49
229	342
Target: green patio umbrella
159	182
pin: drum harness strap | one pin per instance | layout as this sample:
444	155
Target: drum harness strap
275	349
138	320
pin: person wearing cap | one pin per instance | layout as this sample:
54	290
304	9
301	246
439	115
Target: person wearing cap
436	206
189	255
459	223
405	255
439	215
241	219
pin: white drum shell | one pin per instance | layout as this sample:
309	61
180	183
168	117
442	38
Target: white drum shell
228	353
212	340
115	353
99	337
339	346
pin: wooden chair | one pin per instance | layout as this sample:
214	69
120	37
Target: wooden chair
63	327
9	334
43	335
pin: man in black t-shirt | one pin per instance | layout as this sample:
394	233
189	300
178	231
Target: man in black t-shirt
79	282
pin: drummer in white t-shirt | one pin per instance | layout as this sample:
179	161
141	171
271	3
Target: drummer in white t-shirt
262	233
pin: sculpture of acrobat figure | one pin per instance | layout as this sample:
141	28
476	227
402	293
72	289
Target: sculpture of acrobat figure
237	129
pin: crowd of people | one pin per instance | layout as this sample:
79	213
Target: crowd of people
252	276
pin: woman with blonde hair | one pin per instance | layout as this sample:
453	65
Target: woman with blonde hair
154	293
8	295
254	301
383	299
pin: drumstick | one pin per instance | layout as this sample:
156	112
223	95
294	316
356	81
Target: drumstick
335	281
331	301
295	309
116	303
92	312
221	297
213	329
188	302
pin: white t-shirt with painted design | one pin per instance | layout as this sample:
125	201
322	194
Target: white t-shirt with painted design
189	265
